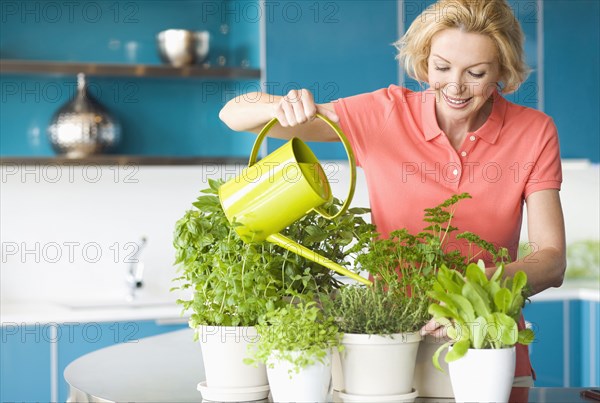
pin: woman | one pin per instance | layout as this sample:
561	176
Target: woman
460	135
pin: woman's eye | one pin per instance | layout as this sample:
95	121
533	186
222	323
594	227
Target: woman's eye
441	68
476	75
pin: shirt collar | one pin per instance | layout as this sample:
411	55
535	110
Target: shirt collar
489	132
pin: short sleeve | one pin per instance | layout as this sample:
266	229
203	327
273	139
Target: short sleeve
546	170
363	116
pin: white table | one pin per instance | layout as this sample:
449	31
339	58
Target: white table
168	367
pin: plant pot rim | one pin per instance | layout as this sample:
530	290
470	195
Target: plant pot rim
492	349
235	333
274	356
277	350
394	338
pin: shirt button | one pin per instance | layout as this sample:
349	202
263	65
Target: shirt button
472	138
455	172
464	153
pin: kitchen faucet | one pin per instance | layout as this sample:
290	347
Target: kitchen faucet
135	274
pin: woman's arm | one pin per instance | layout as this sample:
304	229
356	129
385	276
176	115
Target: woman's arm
295	111
545	266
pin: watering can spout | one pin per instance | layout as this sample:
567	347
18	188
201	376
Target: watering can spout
281	188
306	253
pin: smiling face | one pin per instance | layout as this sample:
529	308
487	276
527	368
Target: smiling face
464	71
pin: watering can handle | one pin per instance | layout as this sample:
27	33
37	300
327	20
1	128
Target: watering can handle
349	153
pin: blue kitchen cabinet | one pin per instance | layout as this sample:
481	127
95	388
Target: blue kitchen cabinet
81	338
590	343
25	363
33	357
566	350
547	350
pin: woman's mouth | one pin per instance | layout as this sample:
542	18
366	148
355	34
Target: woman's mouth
456	103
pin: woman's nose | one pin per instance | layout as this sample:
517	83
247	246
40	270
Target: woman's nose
456	86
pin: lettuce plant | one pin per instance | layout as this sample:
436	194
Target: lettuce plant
478	312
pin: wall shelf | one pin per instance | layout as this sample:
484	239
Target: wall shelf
13	66
122	160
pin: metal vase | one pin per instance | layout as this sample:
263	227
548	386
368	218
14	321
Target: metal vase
82	126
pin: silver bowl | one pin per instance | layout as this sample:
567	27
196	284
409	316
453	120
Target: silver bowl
181	47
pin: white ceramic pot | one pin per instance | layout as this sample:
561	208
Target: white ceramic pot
311	384
429	381
379	365
223	351
483	375
337	377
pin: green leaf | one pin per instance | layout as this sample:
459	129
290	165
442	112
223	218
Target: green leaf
316	234
516	305
503	300
479	332
214	184
458	350
445	299
519	282
526	336
438	312
503	329
478	298
492	288
204	202
458	330
450	280
464	306
436	356
359	210
475	273
497	276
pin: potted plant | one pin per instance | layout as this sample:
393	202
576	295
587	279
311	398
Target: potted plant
403	267
233	285
381	323
481	317
295	344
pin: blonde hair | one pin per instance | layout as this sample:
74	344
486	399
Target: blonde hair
493	18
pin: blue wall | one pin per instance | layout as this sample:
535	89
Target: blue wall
352	53
572	75
335	48
172	117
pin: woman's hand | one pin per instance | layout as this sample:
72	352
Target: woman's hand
298	107
432	328
295	112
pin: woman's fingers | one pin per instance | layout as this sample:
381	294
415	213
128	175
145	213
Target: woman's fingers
330	114
434	329
296	107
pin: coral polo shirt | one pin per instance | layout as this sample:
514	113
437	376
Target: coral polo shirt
410	165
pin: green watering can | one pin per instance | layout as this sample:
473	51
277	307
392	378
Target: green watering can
281	188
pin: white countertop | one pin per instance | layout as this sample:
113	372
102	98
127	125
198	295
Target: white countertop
20	313
584	290
168	367
167	311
